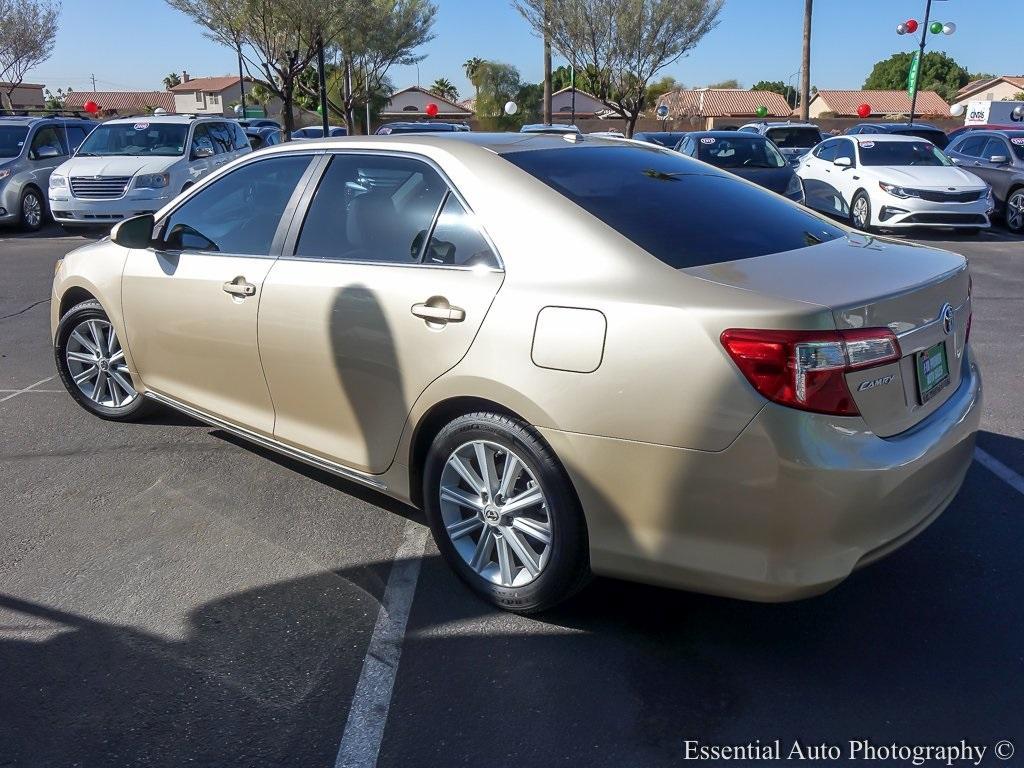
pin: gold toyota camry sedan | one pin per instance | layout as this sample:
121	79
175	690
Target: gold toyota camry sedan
575	354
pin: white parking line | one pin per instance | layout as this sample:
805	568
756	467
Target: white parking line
1000	470
364	729
15	393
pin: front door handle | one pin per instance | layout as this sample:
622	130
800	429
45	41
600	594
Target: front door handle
436	309
239	287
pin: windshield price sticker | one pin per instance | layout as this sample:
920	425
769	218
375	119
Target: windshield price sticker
867	144
141	126
708	140
1018	141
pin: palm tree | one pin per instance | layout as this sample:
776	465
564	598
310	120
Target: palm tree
172	80
805	74
472	69
444	88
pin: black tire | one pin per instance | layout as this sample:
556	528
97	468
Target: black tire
1013	223
853	206
27	197
134	410
568	568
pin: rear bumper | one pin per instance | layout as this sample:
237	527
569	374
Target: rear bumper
790	509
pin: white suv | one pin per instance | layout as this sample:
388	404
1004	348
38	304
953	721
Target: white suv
135	165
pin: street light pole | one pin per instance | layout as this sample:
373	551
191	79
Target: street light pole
920	61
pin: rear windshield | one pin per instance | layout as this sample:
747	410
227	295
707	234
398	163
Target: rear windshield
938	138
676	209
901	153
1017	142
141	138
739	151
664	139
12	138
799	138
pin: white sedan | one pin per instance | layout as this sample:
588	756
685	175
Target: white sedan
890	181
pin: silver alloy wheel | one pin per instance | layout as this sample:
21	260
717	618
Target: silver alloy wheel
860	212
96	364
32	210
495	513
1015	211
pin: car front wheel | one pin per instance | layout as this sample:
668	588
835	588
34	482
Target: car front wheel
503	513
860	212
1015	211
92	364
33	210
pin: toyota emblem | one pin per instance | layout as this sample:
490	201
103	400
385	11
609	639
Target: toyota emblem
947	319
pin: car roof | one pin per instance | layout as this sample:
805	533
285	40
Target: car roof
183	119
780	124
727	135
880	137
30	119
899	126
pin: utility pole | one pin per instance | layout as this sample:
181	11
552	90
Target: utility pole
93	83
920	61
805	75
547	68
323	84
572	86
366	88
241	77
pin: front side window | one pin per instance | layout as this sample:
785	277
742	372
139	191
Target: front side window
901	153
12	139
203	144
995	148
239	213
681	212
139	138
76	135
845	149
457	239
48	136
971	146
376	208
827	150
222	137
739	152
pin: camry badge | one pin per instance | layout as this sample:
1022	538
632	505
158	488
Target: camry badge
872	383
947	319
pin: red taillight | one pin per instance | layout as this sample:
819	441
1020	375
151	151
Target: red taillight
807	369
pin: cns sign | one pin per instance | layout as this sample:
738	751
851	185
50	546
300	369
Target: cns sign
993	113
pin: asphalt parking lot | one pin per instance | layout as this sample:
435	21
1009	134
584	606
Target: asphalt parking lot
172	596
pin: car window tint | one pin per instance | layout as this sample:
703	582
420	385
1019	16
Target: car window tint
76	135
971	146
457	240
789	138
827	150
936	137
845	149
678	210
371	208
49	136
223	139
739	152
201	139
995	147
238	213
901	153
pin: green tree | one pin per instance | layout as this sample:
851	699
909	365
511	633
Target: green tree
498	84
172	80
730	83
59	99
939	72
622	44
444	88
777	86
660	87
472	69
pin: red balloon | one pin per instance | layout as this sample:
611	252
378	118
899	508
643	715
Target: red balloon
91	107
432	110
911	26
864	110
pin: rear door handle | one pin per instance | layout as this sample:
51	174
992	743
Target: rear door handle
239	287
437	310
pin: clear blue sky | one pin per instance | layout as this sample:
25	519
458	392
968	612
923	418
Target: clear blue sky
133	44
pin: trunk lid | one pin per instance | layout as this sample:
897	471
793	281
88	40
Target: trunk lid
874	283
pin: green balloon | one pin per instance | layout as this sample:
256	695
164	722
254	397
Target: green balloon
320	109
936	28
762	111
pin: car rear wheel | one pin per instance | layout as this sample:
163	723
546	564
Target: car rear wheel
503	513
33	210
92	365
1015	211
860	212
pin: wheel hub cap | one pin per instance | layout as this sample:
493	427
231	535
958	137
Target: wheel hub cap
96	364
495	513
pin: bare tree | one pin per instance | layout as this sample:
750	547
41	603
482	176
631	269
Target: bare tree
805	67
28	30
622	44
276	38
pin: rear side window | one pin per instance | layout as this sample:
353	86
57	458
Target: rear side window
457	240
673	207
238	134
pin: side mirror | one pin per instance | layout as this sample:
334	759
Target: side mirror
843	162
200	152
136	232
47	152
999	159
